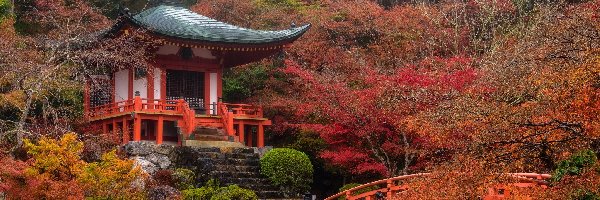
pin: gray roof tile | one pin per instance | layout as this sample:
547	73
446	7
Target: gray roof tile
183	23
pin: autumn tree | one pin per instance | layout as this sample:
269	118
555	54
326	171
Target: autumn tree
48	51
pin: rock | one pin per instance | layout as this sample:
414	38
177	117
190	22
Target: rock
163	192
146	165
162	161
261	151
164	149
140	148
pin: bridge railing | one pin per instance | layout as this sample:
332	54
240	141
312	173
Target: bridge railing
393	186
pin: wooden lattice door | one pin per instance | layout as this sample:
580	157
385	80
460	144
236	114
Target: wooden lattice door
186	85
100	90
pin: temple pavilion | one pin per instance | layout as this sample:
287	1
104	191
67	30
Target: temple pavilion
178	99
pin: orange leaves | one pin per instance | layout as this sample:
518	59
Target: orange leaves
56	171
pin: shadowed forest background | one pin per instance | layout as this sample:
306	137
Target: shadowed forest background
374	89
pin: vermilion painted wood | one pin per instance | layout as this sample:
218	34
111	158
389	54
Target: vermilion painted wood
525	180
138	109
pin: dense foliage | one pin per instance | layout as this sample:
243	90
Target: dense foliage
375	89
212	191
288	168
56	171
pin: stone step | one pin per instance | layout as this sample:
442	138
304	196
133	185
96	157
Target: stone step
204	137
234	175
223	144
255	169
242	155
256	181
269	194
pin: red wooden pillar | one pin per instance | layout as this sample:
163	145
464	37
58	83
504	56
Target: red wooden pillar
230	129
207	91
250	139
125	131
163	84
390	185
104	127
86	98
137	128
219	84
241	132
114	126
130	85
261	135
150	87
159	130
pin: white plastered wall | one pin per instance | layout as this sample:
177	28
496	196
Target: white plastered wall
121	85
213	88
141	85
157	86
167	50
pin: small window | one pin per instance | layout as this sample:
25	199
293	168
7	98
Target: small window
140	73
186	53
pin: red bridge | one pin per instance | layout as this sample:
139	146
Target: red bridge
393	187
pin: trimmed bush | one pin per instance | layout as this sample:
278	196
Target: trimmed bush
288	168
212	191
234	192
357	192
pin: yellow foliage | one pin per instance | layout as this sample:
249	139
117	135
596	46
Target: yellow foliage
56	158
60	161
15	98
112	178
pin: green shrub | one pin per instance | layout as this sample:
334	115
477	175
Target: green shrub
5	9
584	195
574	165
183	178
288	168
198	193
212	191
357	192
234	192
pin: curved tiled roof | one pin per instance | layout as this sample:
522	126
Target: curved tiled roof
182	23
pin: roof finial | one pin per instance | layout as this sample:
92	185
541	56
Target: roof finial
126	11
293	25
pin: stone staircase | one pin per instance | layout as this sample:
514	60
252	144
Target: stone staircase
211	137
239	166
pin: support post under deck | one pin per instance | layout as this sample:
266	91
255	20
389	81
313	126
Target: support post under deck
261	135
125	131
159	130
241	132
137	128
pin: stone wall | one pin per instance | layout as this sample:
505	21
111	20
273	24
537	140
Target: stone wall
239	166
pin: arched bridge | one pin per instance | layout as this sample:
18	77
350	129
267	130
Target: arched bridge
390	187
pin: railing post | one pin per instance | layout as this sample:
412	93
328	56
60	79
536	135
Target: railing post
214	108
179	105
137	102
230	124
348	195
390	184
